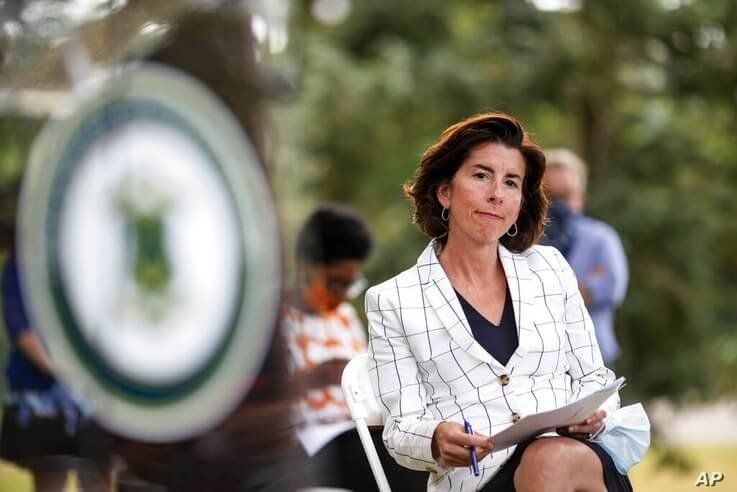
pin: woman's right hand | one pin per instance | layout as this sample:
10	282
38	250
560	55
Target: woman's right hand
450	445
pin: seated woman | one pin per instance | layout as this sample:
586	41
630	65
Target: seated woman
323	333
487	327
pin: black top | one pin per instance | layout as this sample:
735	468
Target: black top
500	341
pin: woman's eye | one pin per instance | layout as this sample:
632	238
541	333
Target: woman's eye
512	183
480	175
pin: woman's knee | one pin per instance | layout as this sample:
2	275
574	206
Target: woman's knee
554	459
546	455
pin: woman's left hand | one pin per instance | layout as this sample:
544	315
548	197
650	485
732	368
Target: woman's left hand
585	429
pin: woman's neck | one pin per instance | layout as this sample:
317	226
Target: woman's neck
471	265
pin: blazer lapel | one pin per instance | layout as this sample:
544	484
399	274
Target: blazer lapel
442	297
521	289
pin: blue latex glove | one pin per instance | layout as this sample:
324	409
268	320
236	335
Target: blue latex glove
46	404
68	407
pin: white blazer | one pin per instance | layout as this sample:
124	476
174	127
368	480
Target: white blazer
427	367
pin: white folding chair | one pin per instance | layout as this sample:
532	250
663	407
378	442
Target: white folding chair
364	408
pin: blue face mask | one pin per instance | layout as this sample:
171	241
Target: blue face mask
558	230
627	436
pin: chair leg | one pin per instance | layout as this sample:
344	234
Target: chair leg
372	456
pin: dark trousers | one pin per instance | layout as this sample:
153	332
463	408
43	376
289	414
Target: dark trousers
342	463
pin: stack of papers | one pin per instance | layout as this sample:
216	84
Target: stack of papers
539	423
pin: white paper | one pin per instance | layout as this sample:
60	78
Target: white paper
539	423
314	437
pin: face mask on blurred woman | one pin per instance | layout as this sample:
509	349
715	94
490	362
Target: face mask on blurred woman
558	231
327	286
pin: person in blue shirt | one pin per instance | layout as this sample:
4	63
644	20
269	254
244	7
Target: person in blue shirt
39	417
592	247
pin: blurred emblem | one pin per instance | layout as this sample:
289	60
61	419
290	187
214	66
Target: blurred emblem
150	247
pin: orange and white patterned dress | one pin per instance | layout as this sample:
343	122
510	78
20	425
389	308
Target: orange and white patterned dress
322	414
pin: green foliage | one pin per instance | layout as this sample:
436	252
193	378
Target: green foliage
646	94
16	134
15	137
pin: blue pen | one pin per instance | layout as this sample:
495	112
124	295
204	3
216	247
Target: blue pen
472	450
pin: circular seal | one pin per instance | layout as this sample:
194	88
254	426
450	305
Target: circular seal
150	250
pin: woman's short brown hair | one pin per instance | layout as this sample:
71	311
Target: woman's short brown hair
442	160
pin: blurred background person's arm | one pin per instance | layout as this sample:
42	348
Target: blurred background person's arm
29	344
604	286
20	333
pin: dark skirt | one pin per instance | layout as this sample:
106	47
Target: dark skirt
36	437
503	481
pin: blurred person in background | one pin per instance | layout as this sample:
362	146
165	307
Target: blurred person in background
324	333
592	247
39	416
487	327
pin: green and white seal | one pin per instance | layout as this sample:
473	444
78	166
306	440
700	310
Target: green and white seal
150	249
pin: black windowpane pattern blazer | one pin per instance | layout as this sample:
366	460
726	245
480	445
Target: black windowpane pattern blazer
427	368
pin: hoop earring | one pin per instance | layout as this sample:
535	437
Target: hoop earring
445	214
516	230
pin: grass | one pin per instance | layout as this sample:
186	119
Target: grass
649	476
14	479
